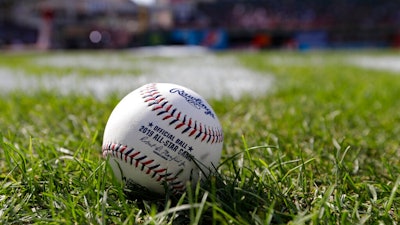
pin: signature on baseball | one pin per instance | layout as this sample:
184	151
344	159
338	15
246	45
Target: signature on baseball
160	150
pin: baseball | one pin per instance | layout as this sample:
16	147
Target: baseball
162	135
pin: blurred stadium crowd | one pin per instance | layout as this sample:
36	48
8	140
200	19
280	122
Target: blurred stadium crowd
217	24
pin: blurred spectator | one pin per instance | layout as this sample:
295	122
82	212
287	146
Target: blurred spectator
260	23
45	29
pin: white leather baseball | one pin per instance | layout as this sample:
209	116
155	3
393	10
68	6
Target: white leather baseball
159	134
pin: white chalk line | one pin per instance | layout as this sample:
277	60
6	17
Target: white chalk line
209	75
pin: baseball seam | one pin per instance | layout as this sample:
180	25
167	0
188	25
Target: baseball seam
189	126
144	163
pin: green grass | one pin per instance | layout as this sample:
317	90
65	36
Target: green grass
321	148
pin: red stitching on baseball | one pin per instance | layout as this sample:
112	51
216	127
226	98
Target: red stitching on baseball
113	149
152	96
160	170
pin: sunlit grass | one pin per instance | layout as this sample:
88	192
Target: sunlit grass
321	148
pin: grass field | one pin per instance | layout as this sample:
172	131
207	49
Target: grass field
320	147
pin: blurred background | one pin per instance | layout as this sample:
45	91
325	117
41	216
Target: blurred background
222	24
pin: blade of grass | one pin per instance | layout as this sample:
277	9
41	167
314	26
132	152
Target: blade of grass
389	203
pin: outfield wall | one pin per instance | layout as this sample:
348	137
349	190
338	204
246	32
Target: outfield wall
265	39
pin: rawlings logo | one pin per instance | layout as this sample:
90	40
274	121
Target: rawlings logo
196	102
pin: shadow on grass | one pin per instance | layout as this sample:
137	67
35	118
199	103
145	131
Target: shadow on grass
243	190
